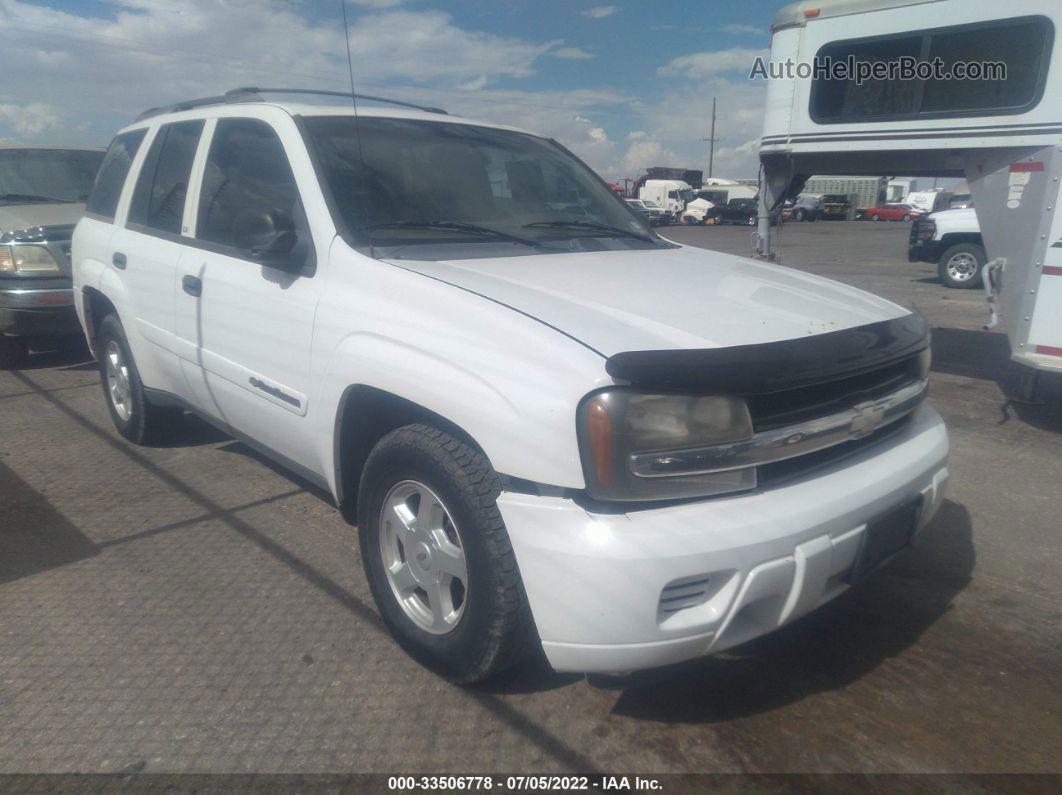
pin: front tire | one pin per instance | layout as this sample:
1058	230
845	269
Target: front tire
134	417
962	266
437	555
875	217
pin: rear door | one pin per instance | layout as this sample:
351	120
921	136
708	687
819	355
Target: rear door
245	327
148	249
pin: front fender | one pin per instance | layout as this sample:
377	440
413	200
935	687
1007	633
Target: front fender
510	382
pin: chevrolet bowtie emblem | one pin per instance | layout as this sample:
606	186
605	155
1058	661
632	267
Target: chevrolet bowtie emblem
869	417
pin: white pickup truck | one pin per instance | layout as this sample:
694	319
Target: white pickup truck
553	427
950	239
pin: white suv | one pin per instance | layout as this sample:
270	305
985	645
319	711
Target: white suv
551	426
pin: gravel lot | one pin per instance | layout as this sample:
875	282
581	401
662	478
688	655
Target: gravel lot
192	608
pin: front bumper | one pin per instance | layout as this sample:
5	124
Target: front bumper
603	588
41	309
924	252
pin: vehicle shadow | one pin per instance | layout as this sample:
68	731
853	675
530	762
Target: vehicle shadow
191	432
72	355
237	447
830	648
985	355
34	537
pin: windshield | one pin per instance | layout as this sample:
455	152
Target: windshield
651	205
422	182
40	175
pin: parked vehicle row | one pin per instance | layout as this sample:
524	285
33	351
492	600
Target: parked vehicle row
651	211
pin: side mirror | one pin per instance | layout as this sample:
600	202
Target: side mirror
269	234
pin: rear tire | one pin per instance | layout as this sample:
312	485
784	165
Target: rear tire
14	353
134	417
467	629
962	266
799	215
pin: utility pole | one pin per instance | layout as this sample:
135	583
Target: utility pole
711	139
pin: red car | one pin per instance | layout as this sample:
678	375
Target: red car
892	212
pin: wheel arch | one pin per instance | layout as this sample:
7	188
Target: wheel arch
364	415
949	239
96	307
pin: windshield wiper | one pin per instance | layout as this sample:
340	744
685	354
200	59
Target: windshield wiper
30	197
458	226
595	225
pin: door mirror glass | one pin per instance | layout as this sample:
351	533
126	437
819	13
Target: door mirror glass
269	234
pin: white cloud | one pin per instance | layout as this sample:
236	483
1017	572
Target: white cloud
148	54
377	3
477	84
642	154
29	120
750	29
600	12
707	64
98	73
426	45
572	53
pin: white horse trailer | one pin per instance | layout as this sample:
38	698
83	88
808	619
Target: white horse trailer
1004	135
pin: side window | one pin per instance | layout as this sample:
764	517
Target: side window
246	170
111	177
1022	44
158	201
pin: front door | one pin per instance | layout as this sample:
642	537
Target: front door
246	327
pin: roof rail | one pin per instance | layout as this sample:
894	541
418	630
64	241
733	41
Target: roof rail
254	94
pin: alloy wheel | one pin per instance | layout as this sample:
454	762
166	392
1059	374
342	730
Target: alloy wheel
118	381
423	557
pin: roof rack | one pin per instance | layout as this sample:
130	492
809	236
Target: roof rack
254	94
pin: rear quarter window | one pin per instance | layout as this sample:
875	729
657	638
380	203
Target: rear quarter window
107	189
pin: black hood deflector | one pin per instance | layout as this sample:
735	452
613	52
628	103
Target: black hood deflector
775	366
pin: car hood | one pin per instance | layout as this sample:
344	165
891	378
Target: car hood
963	215
25	216
615	301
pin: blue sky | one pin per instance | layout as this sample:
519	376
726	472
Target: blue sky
625	85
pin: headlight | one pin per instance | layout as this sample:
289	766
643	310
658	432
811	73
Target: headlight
27	259
632	444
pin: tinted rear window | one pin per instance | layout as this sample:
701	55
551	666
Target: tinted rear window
107	189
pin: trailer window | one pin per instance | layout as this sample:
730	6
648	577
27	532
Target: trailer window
1022	44
1020	47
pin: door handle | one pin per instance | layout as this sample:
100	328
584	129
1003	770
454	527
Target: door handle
192	285
118	260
